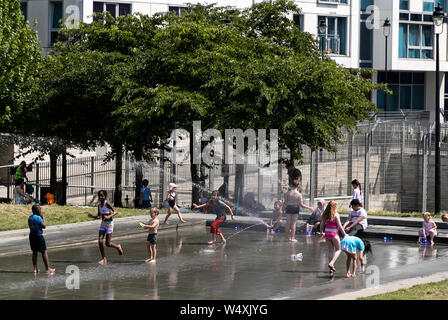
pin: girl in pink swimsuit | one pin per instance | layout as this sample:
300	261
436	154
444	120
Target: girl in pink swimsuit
330	219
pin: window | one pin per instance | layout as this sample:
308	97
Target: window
415	35
334	40
24	9
298	21
365	4
408	91
115	9
333	1
365	38
428	6
404	4
445	104
178	10
55	21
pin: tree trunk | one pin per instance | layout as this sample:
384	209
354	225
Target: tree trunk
138	176
195	179
202	178
64	178
118	150
239	182
53	171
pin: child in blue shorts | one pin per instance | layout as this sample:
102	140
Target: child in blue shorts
36	222
355	248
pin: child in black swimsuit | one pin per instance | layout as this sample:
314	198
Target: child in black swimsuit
171	198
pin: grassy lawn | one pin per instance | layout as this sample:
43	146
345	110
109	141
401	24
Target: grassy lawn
391	214
15	216
430	291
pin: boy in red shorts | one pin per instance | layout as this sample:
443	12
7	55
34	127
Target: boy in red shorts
219	208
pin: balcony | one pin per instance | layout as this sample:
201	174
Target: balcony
330	44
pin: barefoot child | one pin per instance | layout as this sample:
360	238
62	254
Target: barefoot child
171	198
36	223
220	209
355	248
105	212
152	226
276	219
429	228
293	203
332	222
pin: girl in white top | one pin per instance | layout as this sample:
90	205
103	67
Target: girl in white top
357	193
106	212
429	228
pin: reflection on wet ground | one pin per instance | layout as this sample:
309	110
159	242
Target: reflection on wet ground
251	265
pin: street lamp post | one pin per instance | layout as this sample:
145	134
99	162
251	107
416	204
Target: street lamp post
386	32
437	18
322	30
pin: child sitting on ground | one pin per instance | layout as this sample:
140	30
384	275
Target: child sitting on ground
355	249
313	223
445	218
276	219
429	228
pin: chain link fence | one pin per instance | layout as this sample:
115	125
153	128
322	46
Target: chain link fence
393	159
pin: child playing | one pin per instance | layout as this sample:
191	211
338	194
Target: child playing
357	219
105	212
429	228
355	248
171	198
276	219
357	193
293	203
145	195
152	225
332	222
313	223
36	223
220	209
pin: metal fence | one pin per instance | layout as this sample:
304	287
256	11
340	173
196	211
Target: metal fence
393	160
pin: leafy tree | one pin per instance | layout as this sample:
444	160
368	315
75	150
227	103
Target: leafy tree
19	58
135	76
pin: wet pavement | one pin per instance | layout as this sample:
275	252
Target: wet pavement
252	265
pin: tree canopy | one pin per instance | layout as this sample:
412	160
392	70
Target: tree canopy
19	60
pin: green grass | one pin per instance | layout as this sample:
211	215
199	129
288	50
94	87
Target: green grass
391	214
15	216
430	291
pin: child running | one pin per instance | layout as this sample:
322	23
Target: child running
276	219
293	203
332	222
429	228
105	212
355	248
171	198
151	243
220	209
36	223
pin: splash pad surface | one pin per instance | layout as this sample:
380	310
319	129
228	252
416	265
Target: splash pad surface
252	265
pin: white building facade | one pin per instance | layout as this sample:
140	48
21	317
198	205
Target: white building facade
353	38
